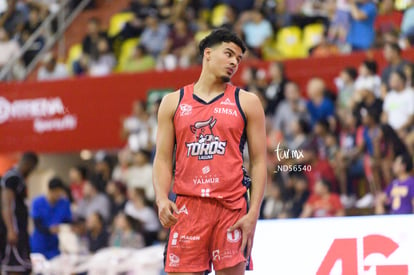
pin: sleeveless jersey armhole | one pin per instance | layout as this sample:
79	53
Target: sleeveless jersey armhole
179	101
236	95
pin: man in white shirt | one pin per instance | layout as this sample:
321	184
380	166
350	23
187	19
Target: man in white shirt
399	104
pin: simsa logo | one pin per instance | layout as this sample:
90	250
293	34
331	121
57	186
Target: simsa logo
346	251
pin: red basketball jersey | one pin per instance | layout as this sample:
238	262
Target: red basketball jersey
210	138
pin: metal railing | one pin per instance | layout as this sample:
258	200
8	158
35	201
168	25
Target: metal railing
64	17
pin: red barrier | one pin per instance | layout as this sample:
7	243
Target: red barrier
86	113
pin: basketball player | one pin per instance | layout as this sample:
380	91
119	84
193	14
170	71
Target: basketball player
209	122
14	238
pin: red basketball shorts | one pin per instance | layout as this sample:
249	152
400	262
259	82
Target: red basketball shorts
200	237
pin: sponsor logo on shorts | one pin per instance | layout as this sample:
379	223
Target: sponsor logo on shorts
174	239
174	259
234	236
216	255
186	238
183	209
206	180
205	192
185	109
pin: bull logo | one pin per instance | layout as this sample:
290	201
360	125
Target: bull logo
206	144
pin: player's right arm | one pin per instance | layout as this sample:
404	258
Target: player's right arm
163	161
7	202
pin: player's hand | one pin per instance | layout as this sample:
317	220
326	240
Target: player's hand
247	224
12	237
166	210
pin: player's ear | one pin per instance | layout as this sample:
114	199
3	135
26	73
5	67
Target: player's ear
207	53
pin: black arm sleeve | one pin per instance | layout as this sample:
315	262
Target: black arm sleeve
39	226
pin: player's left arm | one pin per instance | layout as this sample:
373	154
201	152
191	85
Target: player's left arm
256	138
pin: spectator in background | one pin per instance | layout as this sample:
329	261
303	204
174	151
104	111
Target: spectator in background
121	169
324	48
52	69
365	99
140	61
137	208
299	196
392	55
91	40
13	19
104	62
28	29
257	29
8	48
48	212
291	109
399	195
125	234
345	85
135	128
179	47
407	24
340	23
273	204
78	176
98	236
92	202
275	91
399	104
140	174
319	106
361	31
368	78
104	165
116	192
154	36
323	203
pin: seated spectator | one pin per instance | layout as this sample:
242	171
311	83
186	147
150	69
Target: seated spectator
324	48
140	174
48	212
407	24
399	104
361	31
92	38
365	99
120	171
323	203
257	29
345	85
399	195
8	48
98	236
294	205
179	46
154	36
102	174
319	106
124	234
104	62
28	29
52	69
137	208
367	78
116	192
13	19
78	177
392	55
273	204
93	202
135	128
140	61
275	91
290	109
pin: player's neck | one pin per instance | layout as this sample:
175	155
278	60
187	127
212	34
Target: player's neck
403	176
209	85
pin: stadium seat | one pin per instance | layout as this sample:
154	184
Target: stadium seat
289	42
127	49
117	21
312	35
75	52
218	15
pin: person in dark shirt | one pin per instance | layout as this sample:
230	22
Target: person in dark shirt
97	234
14	238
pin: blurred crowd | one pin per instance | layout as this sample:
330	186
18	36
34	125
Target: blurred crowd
164	34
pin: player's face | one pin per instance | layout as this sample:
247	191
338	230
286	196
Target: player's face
224	60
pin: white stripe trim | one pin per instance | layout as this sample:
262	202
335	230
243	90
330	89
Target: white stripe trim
20	259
